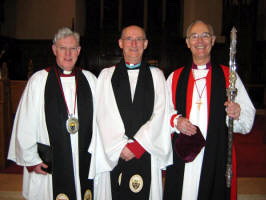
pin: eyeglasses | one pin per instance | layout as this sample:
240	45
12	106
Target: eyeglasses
66	49
130	39
196	36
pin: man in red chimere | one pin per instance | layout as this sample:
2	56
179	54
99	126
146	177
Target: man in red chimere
198	92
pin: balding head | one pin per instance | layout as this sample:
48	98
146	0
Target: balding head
133	42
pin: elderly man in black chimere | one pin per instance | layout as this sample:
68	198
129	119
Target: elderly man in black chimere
53	127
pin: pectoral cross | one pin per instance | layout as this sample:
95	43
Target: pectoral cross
199	103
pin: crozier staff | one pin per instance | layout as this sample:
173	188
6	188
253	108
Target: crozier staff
53	127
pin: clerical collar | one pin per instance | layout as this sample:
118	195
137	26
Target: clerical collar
65	73
132	66
207	66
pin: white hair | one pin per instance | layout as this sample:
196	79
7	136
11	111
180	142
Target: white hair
65	32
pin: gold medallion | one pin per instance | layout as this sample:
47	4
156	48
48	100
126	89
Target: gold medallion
72	125
88	195
62	196
136	183
119	179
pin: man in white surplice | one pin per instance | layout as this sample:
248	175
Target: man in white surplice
53	126
198	94
133	141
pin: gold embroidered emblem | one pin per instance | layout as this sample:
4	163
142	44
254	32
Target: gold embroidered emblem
88	195
62	196
136	183
119	179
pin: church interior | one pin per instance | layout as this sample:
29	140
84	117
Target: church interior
27	29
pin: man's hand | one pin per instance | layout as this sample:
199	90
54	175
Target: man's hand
232	109
185	126
38	168
126	154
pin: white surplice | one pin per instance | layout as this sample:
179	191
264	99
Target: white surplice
153	136
199	117
30	127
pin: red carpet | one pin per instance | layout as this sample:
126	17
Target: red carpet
250	149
